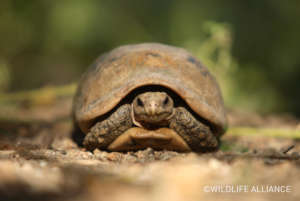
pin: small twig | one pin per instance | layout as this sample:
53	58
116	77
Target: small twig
287	149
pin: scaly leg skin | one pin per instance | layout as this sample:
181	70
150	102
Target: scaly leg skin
105	132
196	134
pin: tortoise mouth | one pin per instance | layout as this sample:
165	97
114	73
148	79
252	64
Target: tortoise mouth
140	138
152	122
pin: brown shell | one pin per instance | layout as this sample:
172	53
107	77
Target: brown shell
115	74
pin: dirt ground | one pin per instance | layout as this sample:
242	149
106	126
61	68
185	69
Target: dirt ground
39	161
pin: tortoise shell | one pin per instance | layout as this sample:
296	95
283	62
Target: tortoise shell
117	73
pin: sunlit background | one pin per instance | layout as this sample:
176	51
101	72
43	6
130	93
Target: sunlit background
252	47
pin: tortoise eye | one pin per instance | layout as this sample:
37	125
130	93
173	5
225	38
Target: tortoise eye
166	101
140	102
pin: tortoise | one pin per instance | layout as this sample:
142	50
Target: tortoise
149	95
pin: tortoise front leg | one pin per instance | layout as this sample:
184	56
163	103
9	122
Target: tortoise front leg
196	134
105	132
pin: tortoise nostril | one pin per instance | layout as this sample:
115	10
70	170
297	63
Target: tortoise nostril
166	101
140	102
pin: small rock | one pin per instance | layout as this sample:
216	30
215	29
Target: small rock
114	156
43	163
96	151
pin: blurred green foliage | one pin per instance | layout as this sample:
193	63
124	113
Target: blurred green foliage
251	46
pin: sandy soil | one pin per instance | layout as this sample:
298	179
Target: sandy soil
39	161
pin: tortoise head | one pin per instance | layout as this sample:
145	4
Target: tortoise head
152	108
